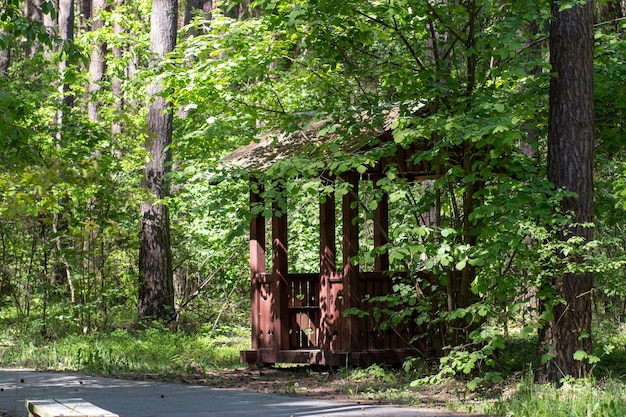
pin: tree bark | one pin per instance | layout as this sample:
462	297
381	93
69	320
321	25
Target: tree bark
97	64
570	167
5	55
156	289
116	82
66	34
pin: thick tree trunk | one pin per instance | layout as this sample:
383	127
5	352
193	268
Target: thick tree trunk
5	55
156	290
116	82
570	166
97	64
66	34
65	21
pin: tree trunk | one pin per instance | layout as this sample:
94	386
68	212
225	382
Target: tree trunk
61	269
5	55
156	292
570	166
97	65
66	34
116	82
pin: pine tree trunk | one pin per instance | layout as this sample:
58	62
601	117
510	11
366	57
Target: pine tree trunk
5	55
97	64
116	82
66	34
156	291
570	166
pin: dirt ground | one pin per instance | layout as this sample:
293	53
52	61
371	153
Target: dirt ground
390	388
360	386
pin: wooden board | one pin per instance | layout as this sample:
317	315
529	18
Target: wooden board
72	407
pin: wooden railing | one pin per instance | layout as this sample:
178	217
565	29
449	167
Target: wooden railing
304	311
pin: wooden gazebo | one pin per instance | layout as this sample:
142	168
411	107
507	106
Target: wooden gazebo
299	317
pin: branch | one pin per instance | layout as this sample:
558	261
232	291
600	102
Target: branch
619	19
206	282
258	107
408	45
397	30
293	60
448	27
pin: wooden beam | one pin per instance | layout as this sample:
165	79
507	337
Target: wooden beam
328	266
280	271
351	337
381	231
73	407
257	268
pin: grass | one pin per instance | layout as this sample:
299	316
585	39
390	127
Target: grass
155	350
576	398
121	352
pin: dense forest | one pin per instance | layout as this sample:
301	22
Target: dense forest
118	207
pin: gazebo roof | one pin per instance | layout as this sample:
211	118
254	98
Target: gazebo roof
275	146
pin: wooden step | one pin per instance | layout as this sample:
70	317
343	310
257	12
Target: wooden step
71	407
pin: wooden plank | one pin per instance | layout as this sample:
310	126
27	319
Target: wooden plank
265	329
381	231
257	268
73	407
350	338
87	409
328	267
280	270
49	408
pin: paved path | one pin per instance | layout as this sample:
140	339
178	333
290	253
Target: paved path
152	399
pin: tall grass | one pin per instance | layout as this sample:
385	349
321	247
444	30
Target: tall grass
153	350
576	398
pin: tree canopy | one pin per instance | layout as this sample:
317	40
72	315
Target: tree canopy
469	82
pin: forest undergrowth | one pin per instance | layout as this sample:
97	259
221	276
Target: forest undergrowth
210	357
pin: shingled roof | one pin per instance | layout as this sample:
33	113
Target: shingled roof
274	146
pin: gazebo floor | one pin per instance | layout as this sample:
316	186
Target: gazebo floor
327	357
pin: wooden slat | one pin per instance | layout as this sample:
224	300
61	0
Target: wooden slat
73	407
350	337
304	311
257	270
280	270
87	409
328	267
49	408
381	231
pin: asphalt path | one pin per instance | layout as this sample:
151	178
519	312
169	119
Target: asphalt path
153	399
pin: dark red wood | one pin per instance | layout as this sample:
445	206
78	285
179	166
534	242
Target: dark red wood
280	271
350	338
300	317
328	267
304	311
381	231
257	266
336	322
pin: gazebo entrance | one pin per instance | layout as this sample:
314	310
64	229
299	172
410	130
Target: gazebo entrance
312	317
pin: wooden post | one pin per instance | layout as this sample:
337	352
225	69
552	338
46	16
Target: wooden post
328	266
280	271
381	231
351	337
257	269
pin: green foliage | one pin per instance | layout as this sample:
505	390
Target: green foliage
468	83
575	398
121	352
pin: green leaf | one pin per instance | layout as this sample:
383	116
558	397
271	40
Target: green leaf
546	357
593	359
474	383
